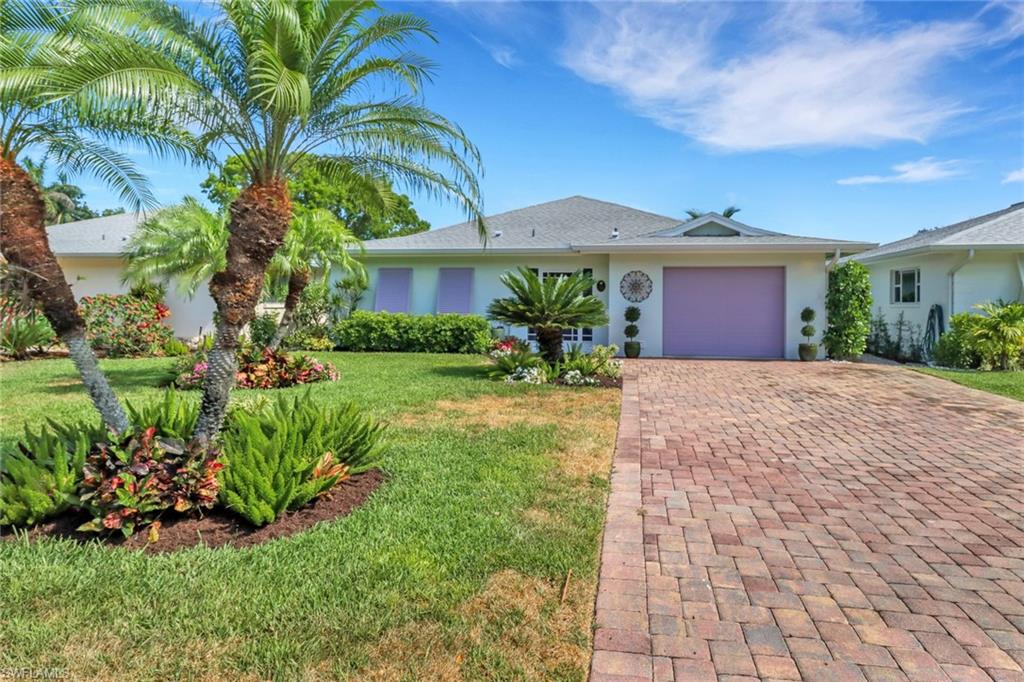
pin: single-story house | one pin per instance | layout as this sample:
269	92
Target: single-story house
708	287
954	267
90	252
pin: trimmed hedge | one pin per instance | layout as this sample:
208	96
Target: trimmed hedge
400	332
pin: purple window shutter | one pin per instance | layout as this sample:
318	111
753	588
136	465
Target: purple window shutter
393	287
455	290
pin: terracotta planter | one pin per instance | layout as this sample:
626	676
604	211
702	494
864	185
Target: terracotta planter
631	349
808	352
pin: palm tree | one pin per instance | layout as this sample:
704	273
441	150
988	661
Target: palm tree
729	212
187	243
549	306
316	244
277	83
1000	332
59	206
71	84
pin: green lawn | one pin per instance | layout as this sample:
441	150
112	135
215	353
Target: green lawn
1010	384
453	569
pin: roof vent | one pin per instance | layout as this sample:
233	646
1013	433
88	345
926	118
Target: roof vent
615	233
497	233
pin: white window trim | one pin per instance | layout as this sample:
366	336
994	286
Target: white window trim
896	283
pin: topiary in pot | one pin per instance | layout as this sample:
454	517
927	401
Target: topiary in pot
632	346
808	351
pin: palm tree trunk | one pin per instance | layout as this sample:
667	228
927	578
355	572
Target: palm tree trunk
297	283
24	244
549	341
259	221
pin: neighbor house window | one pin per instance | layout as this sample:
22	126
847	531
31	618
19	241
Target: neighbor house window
906	286
454	290
393	288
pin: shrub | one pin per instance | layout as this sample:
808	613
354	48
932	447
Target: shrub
598	363
39	479
506	345
848	305
175	348
575	377
130	482
22	327
125	325
955	348
309	339
285	456
516	361
19	335
260	368
262	329
632	313
998	334
400	332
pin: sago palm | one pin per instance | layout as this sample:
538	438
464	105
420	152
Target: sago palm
550	306
728	212
62	92
275	82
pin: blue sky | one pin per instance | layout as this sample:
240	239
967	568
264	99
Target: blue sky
860	121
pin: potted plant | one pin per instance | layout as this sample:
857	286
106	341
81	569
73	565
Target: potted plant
632	346
808	351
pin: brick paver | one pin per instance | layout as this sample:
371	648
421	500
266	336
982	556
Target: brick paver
818	521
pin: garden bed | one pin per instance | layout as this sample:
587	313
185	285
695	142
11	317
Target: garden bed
219	527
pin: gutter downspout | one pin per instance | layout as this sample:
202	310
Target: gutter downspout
1020	271
952	279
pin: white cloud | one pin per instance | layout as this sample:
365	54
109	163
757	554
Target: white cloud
807	74
1014	176
502	54
927	169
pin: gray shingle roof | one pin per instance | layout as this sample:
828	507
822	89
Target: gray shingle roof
105	236
1000	229
581	223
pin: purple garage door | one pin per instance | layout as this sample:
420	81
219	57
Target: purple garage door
724	312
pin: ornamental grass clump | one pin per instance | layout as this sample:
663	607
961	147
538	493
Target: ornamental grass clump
39	478
282	458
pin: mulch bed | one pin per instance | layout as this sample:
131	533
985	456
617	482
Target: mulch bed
219	527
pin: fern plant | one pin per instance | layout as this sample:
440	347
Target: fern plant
38	480
285	456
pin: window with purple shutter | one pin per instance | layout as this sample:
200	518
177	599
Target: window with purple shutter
393	287
455	290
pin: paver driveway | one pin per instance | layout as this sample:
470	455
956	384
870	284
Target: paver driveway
811	521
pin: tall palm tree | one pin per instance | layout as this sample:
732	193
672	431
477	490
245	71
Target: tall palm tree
317	244
550	306
277	82
72	86
59	206
187	243
729	212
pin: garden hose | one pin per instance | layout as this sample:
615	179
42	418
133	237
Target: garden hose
934	328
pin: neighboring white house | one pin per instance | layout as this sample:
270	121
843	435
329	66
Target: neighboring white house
955	267
89	251
710	287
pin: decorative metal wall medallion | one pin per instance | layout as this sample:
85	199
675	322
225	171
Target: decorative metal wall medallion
636	286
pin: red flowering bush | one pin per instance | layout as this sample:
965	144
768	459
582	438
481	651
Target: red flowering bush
129	484
125	325
262	368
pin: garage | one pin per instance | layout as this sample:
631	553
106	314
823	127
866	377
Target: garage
733	312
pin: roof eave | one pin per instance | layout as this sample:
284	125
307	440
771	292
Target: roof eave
933	248
466	251
823	247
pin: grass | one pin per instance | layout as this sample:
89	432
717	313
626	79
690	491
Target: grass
1010	384
453	570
